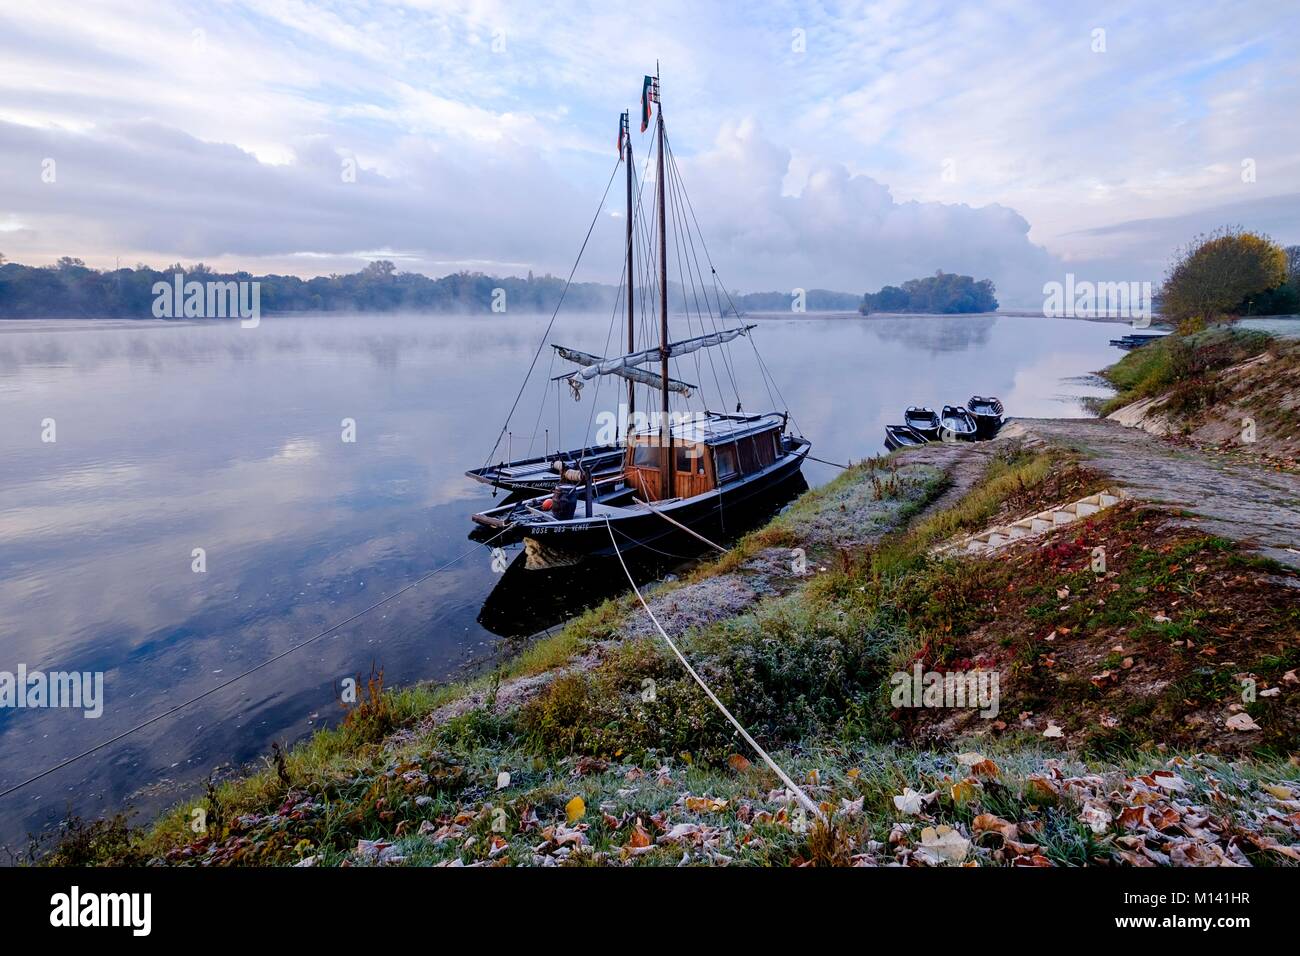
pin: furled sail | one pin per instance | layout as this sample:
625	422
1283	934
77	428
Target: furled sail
624	363
638	375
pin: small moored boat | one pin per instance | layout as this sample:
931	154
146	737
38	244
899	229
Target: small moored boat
923	420
987	413
957	424
903	436
543	473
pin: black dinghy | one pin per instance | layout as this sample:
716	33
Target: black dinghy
903	436
923	420
987	413
955	423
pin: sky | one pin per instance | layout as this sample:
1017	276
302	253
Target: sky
824	145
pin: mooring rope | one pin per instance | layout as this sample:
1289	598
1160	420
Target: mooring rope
257	667
785	777
825	462
545	335
672	520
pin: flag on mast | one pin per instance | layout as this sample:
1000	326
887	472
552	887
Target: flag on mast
622	131
645	103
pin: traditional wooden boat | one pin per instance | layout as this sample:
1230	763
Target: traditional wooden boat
987	413
903	436
923	420
680	474
956	423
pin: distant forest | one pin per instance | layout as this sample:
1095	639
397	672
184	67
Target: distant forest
70	289
943	293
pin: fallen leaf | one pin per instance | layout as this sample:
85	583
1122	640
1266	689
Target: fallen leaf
640	837
942	845
965	790
575	809
705	804
910	802
1241	722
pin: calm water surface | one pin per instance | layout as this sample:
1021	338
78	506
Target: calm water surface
173	437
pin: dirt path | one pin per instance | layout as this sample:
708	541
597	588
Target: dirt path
1253	505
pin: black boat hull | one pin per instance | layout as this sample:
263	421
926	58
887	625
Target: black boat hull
705	514
986	426
903	436
987	413
957	424
923	421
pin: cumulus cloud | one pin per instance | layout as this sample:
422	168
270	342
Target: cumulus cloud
845	231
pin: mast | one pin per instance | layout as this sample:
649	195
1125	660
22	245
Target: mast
631	274
665	425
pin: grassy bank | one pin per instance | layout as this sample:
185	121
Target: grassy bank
1181	367
623	760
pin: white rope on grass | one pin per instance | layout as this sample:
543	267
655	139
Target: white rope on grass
785	777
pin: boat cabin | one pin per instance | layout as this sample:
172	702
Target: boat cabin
706	454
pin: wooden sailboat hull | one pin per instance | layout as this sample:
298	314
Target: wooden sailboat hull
705	514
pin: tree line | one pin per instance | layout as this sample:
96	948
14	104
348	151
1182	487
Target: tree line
70	289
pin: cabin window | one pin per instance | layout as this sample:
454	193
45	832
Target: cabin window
690	459
724	460
748	456
647	456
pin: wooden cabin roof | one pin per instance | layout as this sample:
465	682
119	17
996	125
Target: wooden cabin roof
715	430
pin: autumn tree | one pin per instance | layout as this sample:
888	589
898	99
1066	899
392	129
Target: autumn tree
1218	274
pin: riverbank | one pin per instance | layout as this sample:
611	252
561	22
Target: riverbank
1145	712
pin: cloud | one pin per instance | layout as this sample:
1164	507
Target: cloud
484	128
846	231
156	191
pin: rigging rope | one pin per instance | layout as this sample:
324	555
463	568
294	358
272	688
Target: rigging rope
785	778
238	677
768	380
545	335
